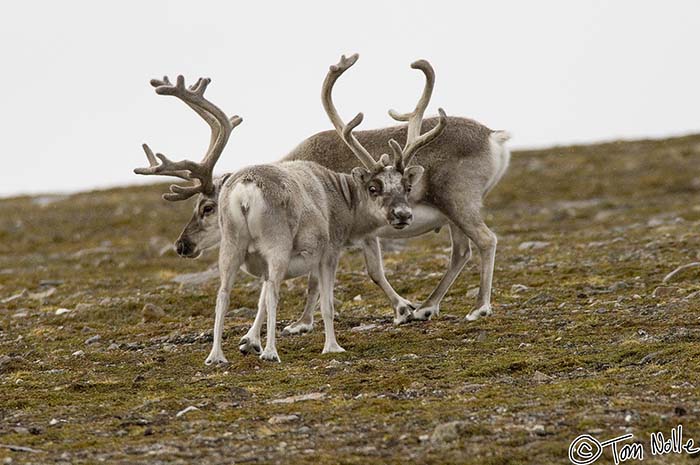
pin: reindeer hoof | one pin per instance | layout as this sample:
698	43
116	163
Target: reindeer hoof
403	312
333	349
425	314
484	310
246	346
270	356
216	357
297	328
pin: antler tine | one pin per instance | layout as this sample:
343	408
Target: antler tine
412	148
398	154
344	130
164	168
414	140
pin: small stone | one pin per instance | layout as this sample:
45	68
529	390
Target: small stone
357	298
12	298
299	398
78	353
472	293
533	245
539	430
279	419
62	311
83	307
618	286
362	328
518	288
666	291
113	346
152	312
540	377
93	340
196	279
41	296
20	315
54	422
244	312
182	412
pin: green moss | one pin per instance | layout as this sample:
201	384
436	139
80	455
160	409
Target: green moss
606	351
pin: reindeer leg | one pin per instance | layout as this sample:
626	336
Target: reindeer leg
486	242
375	267
250	343
305	323
277	257
230	260
327	281
461	253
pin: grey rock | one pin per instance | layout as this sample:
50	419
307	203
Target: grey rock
539	430
533	245
540	377
279	419
518	288
362	328
196	279
666	291
93	340
244	312
299	398
151	312
14	297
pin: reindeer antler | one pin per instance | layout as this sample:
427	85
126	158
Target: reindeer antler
344	130
201	174
414	139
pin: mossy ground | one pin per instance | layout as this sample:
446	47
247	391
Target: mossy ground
617	218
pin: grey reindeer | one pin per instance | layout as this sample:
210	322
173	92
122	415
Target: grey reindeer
291	218
461	167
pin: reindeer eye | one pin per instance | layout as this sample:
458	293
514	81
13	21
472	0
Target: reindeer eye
408	188
373	190
208	210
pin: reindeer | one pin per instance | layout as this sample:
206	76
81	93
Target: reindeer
461	168
291	218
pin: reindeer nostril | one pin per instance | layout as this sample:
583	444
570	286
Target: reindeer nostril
183	247
402	214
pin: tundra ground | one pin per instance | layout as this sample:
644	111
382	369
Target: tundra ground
585	337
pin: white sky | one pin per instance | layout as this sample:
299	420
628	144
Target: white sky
76	104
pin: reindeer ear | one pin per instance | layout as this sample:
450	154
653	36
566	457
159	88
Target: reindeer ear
385	160
413	174
361	175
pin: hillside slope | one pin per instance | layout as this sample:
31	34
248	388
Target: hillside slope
584	336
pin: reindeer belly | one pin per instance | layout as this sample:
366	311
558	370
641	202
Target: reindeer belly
299	265
425	219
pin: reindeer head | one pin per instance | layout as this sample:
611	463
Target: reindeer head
386	183
202	231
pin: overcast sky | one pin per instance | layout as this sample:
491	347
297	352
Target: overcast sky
76	104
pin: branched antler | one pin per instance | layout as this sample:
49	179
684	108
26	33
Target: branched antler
344	130
200	174
414	139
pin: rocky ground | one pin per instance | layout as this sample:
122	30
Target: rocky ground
102	340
